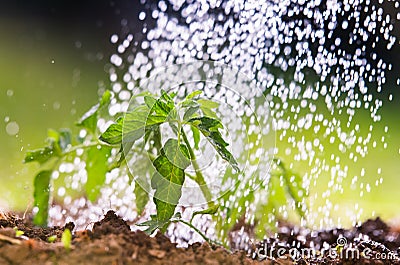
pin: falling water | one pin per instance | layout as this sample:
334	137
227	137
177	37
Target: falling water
316	62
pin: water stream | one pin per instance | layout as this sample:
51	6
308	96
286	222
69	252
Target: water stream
313	78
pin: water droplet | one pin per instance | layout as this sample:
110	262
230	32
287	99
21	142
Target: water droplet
142	15
56	105
114	38
12	128
10	93
78	44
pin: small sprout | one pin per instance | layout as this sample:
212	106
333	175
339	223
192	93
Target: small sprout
18	232
52	239
66	239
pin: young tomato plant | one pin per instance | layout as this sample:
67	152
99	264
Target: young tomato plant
177	153
170	156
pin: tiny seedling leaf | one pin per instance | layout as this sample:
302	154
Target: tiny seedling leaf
41	196
18	232
52	239
66	239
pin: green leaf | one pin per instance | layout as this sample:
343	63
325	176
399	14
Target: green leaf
196	136
113	134
41	195
150	101
53	136
209	127
190	112
153	137
167	96
189	103
208	103
96	167
211	211
168	180
60	140
162	108
154	224
142	198
178	156
64	140
136	122
143	168
193	94
66	239
207	107
209	112
58	143
105	99
89	119
40	155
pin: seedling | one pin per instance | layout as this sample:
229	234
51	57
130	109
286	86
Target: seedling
18	232
172	158
189	120
52	239
66	239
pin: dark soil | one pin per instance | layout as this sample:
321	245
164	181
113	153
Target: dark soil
112	242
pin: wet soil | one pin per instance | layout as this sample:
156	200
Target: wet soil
112	242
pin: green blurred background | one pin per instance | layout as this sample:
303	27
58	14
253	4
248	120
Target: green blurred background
53	59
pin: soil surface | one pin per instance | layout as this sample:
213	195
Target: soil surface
112	242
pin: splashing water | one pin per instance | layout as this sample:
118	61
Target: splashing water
317	63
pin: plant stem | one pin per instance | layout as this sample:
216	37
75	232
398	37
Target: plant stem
199	176
208	240
81	146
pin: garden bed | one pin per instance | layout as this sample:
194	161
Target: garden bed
112	242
